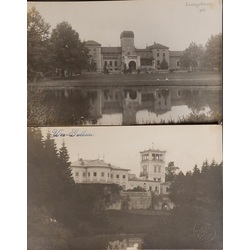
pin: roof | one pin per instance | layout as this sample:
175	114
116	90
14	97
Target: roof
157	46
127	33
94	163
92	43
143	50
176	53
153	150
111	49
141	180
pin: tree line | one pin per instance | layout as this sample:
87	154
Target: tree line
55	52
197	218
208	57
58	208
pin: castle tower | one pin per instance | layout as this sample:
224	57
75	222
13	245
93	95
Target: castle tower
152	166
129	55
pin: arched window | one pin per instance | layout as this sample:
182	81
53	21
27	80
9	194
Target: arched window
110	63
178	63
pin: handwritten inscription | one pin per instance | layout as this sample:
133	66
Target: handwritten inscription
201	6
71	133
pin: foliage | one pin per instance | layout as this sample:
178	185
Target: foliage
137	189
213	53
170	171
69	53
164	64
44	232
79	207
192	56
38	45
197	196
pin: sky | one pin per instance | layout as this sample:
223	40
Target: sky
121	145
173	23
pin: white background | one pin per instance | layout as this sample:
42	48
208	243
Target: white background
236	139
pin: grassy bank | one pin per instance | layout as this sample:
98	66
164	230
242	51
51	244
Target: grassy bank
170	79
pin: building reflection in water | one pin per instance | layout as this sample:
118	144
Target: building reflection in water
135	105
126	244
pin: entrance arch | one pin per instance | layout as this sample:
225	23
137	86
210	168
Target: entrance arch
132	65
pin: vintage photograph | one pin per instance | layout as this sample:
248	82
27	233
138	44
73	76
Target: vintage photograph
124	62
125	187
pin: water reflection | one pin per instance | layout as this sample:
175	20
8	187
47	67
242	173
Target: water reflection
124	105
129	243
108	242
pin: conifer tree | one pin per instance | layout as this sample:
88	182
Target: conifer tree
35	156
65	169
53	185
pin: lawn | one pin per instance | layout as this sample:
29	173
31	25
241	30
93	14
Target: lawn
170	79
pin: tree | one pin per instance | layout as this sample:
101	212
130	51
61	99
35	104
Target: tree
198	202
69	52
192	56
53	186
164	64
38	47
170	171
65	169
35	156
213	53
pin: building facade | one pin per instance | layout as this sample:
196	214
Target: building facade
97	171
127	56
151	178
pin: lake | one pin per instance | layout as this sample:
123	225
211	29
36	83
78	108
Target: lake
124	105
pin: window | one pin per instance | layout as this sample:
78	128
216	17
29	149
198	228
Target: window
178	63
110	63
108	174
94	49
111	175
156	189
159	179
83	174
159	169
102	174
155	169
145	157
124	176
158	62
77	173
117	176
95	174
150	188
105	63
88	174
167	189
116	63
157	54
163	54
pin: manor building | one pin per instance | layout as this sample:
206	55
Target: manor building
127	56
151	178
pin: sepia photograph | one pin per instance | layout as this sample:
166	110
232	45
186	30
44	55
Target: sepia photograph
138	62
125	187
